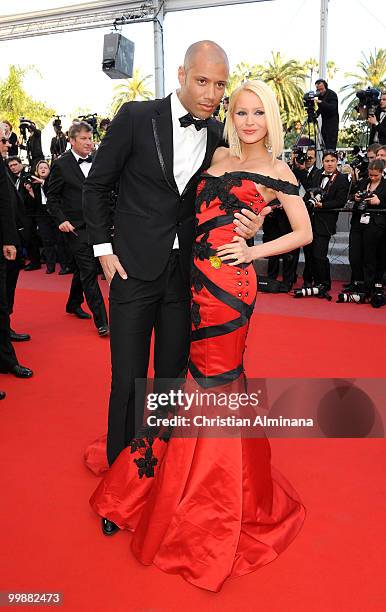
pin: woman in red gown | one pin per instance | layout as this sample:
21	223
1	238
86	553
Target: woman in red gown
212	508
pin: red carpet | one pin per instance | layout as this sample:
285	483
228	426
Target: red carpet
50	539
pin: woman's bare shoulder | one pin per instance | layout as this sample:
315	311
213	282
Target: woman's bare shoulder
284	172
220	154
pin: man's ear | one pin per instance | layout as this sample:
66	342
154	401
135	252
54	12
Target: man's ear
181	75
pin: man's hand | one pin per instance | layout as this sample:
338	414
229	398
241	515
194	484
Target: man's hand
66	226
372	120
9	252
247	223
111	265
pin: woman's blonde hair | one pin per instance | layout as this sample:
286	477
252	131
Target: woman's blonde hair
274	138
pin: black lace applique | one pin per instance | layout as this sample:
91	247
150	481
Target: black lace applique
146	464
202	249
195	313
267	181
206	195
196	282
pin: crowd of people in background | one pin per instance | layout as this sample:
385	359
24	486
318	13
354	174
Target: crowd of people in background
46	197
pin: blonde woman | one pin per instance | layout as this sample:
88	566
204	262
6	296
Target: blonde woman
211	508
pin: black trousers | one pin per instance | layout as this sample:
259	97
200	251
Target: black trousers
136	308
320	261
366	256
85	277
33	240
276	227
52	241
13	269
8	357
308	271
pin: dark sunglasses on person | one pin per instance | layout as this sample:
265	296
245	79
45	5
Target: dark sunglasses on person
308	158
4	140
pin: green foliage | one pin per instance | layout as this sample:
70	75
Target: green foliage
136	88
353	134
372	73
16	103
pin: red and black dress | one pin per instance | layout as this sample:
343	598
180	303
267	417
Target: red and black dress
208	508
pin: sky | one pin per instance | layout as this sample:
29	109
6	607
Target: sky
70	64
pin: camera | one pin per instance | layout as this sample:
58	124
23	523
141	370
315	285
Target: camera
319	291
309	104
368	101
57	123
351	297
24	125
362	204
300	154
315	196
377	297
91	119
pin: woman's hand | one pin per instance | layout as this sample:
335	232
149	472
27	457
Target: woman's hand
237	250
373	200
36	179
29	189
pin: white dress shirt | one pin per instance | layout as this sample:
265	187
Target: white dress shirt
85	166
189	146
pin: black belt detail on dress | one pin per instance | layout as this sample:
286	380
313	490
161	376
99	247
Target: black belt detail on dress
219	221
217	379
224	296
219	330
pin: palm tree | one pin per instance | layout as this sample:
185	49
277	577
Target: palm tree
242	72
372	72
287	79
136	88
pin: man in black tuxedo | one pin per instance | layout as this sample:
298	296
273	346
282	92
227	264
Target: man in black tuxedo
327	101
64	203
157	151
34	146
9	240
335	187
377	123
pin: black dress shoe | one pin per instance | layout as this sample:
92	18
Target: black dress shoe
109	528
21	371
65	270
103	330
19	337
2	395
32	266
79	312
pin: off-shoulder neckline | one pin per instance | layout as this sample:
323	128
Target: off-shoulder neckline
245	172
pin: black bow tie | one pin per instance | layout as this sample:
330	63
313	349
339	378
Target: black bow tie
188	119
87	159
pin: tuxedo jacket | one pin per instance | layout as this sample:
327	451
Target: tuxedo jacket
328	109
324	223
137	151
376	218
64	193
8	233
380	128
305	177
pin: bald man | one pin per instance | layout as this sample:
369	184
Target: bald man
156	150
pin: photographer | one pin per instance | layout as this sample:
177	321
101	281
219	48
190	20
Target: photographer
58	142
377	122
305	170
368	230
34	145
327	102
329	190
25	208
48	232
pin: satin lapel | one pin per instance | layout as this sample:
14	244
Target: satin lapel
163	137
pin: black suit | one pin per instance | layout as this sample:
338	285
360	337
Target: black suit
379	129
324	223
8	236
328	109
306	178
137	151
48	231
367	241
64	203
34	149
